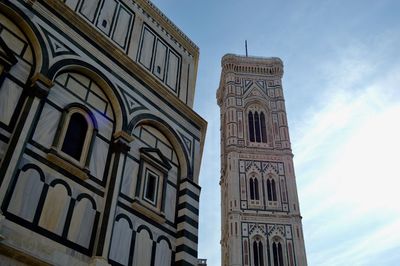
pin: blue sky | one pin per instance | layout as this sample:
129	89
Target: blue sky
341	84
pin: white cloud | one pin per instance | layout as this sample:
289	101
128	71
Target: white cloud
348	155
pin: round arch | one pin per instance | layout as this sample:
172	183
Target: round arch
32	34
172	136
81	67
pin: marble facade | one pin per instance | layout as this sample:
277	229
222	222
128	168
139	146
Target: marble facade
130	196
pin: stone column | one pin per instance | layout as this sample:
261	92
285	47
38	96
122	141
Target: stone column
120	147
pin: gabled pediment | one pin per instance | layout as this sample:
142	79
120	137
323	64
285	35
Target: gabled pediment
255	91
7	57
156	156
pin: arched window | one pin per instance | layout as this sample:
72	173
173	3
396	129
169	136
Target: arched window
277	254
251	188
271	190
258	253
263	128
257	127
251	126
75	136
257	196
254	192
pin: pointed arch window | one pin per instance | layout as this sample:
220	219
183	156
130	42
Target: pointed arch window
257	127
271	190
258	253
254	189
251	126
277	254
263	128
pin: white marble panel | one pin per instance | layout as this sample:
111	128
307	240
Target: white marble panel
159	61
106	16
81	78
55	209
157	133
99	158
163	254
26	194
9	96
148	138
165	150
146	50
81	227
170	203
98	103
143	246
105	125
47	126
21	71
172	71
61	97
121	242
15	44
173	174
88	8
76	88
96	89
122	27
130	176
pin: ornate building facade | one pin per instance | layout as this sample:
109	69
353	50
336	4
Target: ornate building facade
261	222
100	148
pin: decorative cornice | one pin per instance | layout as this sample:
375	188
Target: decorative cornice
269	66
169	26
171	30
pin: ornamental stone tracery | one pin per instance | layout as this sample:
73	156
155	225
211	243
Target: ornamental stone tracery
258	188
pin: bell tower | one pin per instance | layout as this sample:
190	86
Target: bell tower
261	221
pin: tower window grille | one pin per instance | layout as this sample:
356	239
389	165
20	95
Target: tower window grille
257	127
258	253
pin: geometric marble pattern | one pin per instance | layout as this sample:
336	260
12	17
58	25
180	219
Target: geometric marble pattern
131	103
57	47
187	142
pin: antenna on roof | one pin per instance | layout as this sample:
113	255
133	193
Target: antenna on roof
245	45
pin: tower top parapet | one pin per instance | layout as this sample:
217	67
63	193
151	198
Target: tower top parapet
252	64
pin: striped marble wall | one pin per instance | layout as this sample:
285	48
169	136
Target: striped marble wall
130	196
